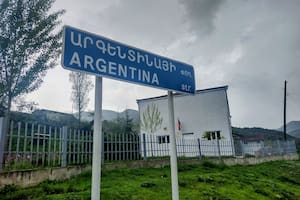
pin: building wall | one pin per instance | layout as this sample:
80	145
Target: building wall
207	110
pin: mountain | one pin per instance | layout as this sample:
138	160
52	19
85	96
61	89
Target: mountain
46	117
295	133
106	115
110	115
133	114
267	134
292	128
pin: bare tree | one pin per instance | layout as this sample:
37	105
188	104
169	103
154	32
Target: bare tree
81	86
25	106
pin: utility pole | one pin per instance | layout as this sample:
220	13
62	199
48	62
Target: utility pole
284	111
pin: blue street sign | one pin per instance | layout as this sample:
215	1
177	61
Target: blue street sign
97	55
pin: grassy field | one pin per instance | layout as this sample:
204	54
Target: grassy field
273	180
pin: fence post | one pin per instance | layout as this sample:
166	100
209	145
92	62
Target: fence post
3	132
279	148
64	146
242	148
144	146
103	148
199	146
219	150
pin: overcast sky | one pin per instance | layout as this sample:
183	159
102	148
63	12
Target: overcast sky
251	46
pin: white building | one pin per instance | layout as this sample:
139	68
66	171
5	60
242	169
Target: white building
203	118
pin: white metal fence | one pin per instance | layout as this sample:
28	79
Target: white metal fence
155	146
27	145
121	147
265	148
30	144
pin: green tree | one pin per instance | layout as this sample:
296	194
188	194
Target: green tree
113	127
81	86
30	42
121	125
128	123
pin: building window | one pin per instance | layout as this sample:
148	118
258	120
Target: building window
218	135
163	139
212	135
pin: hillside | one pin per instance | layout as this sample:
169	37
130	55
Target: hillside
47	117
292	128
106	115
133	114
54	118
268	134
110	115
295	133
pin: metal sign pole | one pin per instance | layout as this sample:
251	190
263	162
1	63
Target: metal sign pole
173	151
87	52
81	52
97	141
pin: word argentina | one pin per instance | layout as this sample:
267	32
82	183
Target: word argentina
114	68
86	52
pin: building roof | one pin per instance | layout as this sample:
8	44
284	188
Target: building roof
181	94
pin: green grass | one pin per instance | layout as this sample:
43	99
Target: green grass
272	180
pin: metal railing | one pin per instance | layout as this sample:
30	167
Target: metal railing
121	147
34	145
153	147
265	148
29	145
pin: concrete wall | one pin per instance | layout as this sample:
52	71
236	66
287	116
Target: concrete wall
226	161
255	160
28	178
33	177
